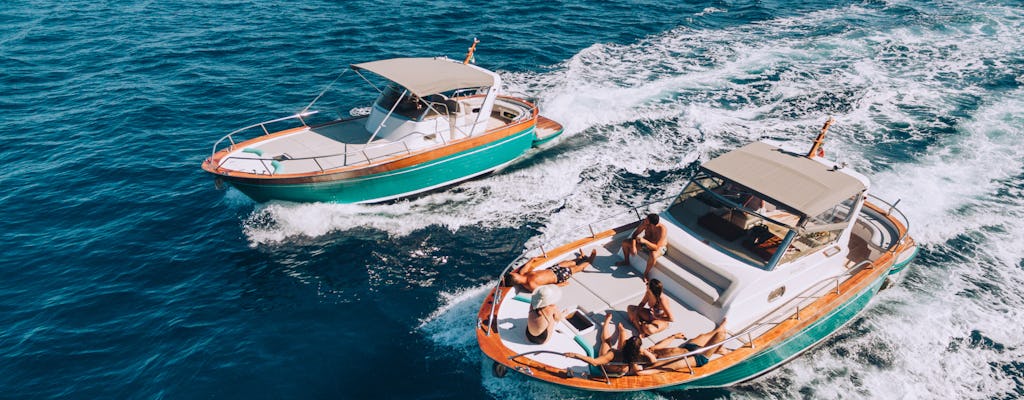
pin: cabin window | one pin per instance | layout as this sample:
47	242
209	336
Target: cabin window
409	105
733	219
822	230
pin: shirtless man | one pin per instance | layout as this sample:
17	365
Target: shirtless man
654	242
557	275
663	349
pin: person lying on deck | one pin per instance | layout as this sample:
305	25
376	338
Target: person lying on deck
654	242
626	354
652	315
664	349
558	274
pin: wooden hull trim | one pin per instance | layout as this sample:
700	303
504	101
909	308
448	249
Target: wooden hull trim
770	350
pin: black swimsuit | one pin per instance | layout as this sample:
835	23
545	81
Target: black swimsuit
562	274
539	339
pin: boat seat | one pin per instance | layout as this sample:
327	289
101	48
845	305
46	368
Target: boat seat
694	283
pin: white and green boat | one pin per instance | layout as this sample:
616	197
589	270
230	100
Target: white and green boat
436	123
785	272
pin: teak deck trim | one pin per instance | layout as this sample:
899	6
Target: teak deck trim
212	164
850	288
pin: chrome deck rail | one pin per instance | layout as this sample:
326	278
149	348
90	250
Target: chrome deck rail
261	125
748	332
604	372
359	156
902	218
364	159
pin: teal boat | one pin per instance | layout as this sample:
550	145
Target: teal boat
767	253
437	122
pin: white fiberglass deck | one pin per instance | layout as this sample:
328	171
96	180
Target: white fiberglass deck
324	147
597	290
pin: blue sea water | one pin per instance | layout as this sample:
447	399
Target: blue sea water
126	274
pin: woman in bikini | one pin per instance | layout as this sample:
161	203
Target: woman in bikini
620	357
544	313
663	349
652	315
559	274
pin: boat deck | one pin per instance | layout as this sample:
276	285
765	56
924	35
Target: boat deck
324	147
599	289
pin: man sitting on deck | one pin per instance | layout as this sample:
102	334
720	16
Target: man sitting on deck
663	349
654	242
558	274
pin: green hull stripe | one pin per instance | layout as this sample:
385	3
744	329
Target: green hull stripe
770	358
401	182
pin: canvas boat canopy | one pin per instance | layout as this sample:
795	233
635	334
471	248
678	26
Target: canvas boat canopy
800	183
427	76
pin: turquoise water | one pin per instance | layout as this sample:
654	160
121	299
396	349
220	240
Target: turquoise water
128	275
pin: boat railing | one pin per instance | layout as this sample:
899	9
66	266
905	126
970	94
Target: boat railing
593	228
263	126
748	333
894	212
526	369
365	155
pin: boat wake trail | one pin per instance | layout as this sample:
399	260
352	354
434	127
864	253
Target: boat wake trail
927	100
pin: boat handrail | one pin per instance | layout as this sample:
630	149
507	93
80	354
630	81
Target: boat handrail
604	373
635	210
748	332
262	125
365	157
902	218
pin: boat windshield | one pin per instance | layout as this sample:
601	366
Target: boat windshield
733	219
736	221
409	105
415	108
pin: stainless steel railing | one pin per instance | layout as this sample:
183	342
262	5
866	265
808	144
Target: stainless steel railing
261	125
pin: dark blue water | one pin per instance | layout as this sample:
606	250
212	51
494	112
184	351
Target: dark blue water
126	274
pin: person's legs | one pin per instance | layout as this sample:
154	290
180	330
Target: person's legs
715	336
584	262
666	343
655	326
606	335
628	249
652	257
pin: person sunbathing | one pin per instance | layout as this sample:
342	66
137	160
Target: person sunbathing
664	349
620	357
652	315
558	274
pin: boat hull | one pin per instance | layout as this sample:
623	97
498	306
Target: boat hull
397	183
774	357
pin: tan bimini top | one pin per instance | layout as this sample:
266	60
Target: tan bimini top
805	185
427	76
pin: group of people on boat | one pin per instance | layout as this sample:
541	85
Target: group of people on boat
618	354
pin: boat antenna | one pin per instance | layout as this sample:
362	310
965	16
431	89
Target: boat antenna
469	56
816	150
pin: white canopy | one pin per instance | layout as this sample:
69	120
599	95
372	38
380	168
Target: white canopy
805	185
427	76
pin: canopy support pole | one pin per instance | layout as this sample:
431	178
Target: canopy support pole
385	119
